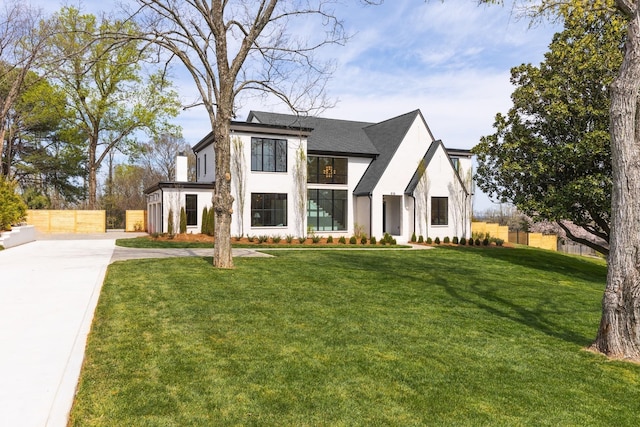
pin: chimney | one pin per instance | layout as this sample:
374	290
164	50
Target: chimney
182	168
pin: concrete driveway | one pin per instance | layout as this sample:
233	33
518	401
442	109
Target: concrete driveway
49	290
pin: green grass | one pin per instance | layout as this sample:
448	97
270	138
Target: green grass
452	336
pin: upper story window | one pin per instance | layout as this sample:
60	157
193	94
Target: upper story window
326	170
268	155
456	163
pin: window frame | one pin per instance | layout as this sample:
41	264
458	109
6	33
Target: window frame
192	212
269	212
438	211
345	212
275	149
320	177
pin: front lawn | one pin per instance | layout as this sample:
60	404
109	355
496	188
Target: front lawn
452	336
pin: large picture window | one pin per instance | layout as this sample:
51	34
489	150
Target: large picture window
326	170
268	155
191	209
268	210
327	210
439	211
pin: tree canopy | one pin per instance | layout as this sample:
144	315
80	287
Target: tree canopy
551	155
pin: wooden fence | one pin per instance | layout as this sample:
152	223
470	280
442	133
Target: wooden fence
536	240
78	221
72	221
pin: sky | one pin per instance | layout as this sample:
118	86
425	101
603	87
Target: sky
451	59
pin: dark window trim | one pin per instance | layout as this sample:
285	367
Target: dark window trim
191	211
260	213
258	164
439	212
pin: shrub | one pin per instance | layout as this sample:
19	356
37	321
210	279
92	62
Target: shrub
463	241
372	240
263	239
203	224
477	242
437	241
330	239
413	237
353	240
251	238
383	242
342	240
237	237
388	239
315	238
470	241
420	239
289	238
446	239
13	210
455	240
429	240
363	240
183	221
170	223
499	242
302	239
276	238
485	242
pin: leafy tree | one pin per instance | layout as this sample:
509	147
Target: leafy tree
231	47
103	82
550	156
12	209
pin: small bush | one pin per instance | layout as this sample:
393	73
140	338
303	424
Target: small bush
383	242
420	239
499	242
302	239
429	241
315	238
413	237
372	240
478	242
288	238
446	239
470	241
463	241
437	241
342	240
353	240
170	222
330	239
276	238
363	240
183	221
251	238
387	239
263	239
485	242
455	240
237	238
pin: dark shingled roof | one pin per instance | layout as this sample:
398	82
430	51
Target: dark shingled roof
343	137
328	136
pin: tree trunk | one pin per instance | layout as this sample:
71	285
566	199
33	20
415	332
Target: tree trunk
619	331
93	175
222	198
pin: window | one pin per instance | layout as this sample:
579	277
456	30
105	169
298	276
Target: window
268	210
439	211
268	155
191	209
327	210
198	167
326	170
205	164
456	163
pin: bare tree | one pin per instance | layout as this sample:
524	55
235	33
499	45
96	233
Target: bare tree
233	46
159	157
23	39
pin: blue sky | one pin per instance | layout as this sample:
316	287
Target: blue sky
449	59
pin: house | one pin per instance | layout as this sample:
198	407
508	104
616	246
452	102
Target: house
296	175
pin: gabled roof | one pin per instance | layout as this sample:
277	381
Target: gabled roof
433	148
387	137
330	136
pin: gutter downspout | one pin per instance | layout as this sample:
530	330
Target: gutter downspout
161	211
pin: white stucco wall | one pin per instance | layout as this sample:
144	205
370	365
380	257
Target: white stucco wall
206	161
270	182
173	199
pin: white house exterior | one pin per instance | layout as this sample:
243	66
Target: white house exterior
300	175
